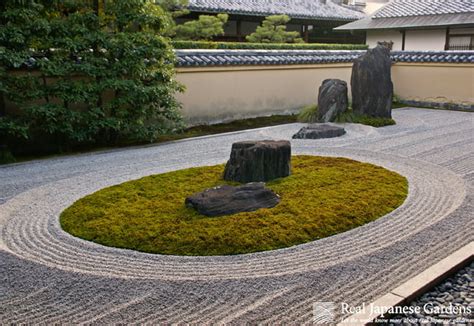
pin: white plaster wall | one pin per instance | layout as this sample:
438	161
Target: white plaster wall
425	40
372	7
385	35
415	40
216	94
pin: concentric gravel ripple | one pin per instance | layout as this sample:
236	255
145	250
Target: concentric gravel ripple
48	276
434	192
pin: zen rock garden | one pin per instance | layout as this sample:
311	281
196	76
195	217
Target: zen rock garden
251	163
372	94
255	162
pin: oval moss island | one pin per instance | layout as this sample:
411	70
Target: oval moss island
323	196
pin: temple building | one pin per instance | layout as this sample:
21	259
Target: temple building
314	19
419	25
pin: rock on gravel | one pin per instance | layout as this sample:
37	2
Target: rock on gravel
371	83
332	99
319	131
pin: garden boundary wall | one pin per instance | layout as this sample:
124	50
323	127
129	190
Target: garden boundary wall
223	85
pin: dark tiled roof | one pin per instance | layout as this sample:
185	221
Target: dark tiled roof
303	9
417	13
434	56
199	58
407	8
461	19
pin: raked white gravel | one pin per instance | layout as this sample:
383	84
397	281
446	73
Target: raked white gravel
48	276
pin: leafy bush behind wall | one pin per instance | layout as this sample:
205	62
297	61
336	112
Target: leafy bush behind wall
78	75
265	46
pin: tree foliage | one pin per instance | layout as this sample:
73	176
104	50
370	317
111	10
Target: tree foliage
177	8
205	28
273	30
77	75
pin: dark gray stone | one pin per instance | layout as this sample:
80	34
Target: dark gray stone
226	200
371	84
332	99
258	161
318	131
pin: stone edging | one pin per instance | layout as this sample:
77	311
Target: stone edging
440	105
415	286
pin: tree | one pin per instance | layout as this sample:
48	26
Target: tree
79	75
205	28
174	9
273	30
177	8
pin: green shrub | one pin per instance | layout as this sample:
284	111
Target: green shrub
350	117
78	76
204	28
308	114
273	30
6	156
264	46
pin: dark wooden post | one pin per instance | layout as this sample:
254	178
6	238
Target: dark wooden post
403	39
446	45
239	30
95	4
306	33
3	108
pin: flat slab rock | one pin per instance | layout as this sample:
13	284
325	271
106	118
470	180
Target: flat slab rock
227	200
318	131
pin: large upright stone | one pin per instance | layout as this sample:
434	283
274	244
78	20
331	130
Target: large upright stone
332	99
258	161
371	83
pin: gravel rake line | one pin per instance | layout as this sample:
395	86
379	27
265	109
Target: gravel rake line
377	281
42	305
463	166
437	195
237	313
428	138
112	309
20	299
153	318
414	148
56	249
448	153
362	292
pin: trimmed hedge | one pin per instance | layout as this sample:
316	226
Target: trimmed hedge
265	46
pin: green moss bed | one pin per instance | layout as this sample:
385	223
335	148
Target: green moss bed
323	196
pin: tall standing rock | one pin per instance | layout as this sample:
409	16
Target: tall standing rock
371	83
258	161
332	99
